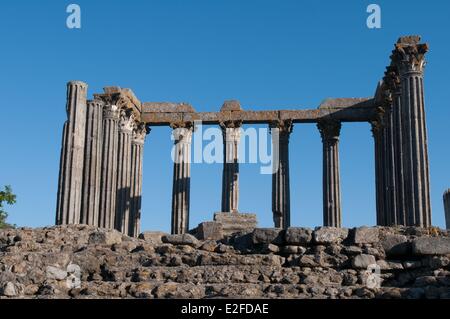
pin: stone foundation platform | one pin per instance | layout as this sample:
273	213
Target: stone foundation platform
79	261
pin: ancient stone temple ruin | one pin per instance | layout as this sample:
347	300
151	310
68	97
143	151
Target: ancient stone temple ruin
100	180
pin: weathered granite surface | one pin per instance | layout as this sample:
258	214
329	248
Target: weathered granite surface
236	222
79	261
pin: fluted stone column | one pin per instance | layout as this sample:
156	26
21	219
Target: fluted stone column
108	184
378	133
126	125
389	170
393	84
182	134
231	132
92	164
72	155
137	153
280	132
329	130
447	207
408	57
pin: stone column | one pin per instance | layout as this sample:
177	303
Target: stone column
182	134
447	207
108	184
281	131
408	57
126	123
92	164
72	155
329	130
396	177
389	174
378	133
398	158
231	132
137	153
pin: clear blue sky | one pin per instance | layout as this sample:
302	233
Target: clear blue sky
267	54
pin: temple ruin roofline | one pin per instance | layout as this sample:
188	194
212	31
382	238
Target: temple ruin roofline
166	113
342	109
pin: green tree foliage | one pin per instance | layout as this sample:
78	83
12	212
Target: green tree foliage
6	196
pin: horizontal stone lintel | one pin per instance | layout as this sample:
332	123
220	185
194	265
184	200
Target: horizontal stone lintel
345	110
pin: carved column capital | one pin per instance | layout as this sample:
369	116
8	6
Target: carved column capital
329	130
182	132
378	122
392	80
284	126
126	121
139	132
231	130
409	55
111	111
189	125
230	124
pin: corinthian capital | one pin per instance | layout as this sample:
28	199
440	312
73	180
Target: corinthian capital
378	122
230	124
409	55
392	79
139	132
126	121
111	111
231	130
329	130
182	131
283	126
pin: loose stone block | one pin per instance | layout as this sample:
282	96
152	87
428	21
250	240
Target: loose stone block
9	290
180	239
105	237
395	244
363	261
365	235
270	248
209	230
267	236
298	236
55	273
431	246
152	237
328	235
236	222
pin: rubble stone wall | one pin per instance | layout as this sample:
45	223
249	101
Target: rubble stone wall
78	261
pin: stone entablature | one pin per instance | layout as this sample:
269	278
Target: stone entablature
101	157
342	109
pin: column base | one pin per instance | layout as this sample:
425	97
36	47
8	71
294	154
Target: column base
236	222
